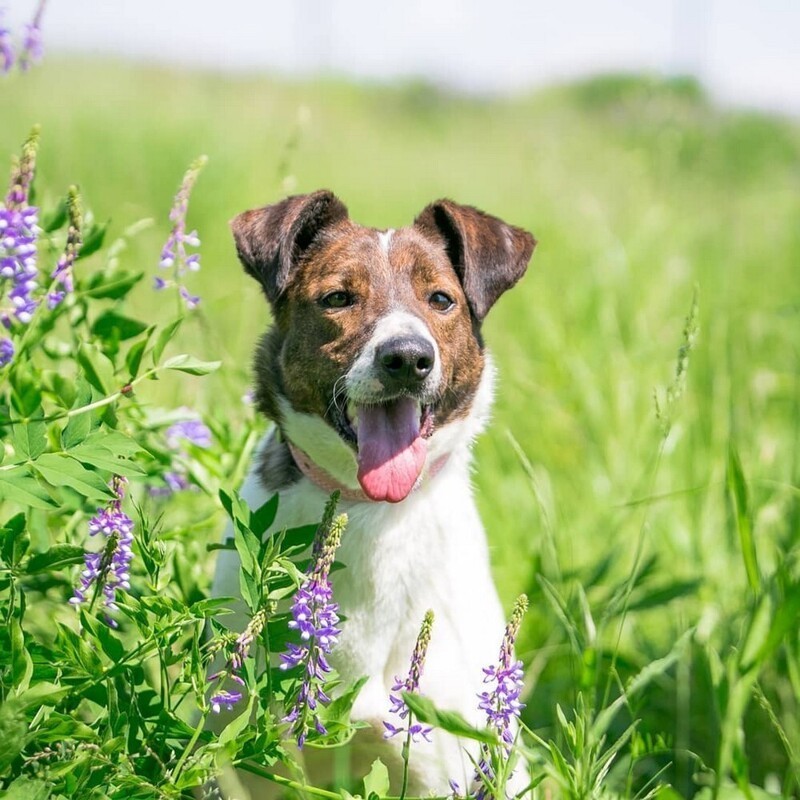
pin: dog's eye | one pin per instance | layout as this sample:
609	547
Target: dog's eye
439	301
337	300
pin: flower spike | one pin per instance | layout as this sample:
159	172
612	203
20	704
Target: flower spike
314	616
32	43
19	231
411	684
501	703
109	569
173	255
62	275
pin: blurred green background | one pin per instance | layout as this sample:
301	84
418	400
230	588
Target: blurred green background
638	190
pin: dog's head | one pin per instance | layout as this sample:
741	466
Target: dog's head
376	341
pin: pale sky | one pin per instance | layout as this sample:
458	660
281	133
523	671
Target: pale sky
747	52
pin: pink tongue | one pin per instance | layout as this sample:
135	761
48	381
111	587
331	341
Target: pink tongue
391	453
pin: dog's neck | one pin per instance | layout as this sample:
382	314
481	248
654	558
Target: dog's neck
324	480
304	445
329	484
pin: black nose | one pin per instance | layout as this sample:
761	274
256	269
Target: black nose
405	361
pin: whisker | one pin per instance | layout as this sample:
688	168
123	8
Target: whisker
338	390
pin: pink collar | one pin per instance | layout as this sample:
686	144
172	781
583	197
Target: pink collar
323	479
328	483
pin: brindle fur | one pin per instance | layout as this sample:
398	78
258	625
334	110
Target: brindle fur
306	247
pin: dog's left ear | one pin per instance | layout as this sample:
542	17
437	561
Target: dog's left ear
488	255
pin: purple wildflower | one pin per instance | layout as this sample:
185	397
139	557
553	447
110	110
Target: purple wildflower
411	684
240	652
62	275
224	698
191	430
6	351
314	616
7	55
501	704
109	569
175	482
191	300
247	637
32	44
173	254
19	232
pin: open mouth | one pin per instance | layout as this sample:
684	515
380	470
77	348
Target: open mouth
390	437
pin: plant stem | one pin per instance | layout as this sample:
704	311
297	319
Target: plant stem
254	769
288	782
190	745
406	753
103	401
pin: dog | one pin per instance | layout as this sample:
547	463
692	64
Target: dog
375	374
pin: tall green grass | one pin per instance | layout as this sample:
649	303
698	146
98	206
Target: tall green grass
626	534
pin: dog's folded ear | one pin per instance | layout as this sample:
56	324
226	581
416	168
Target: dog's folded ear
271	240
488	255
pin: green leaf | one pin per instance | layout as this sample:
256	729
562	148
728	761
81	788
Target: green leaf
250	590
785	619
21	664
341	706
72	649
25	788
234	728
424	710
261	519
61	470
18	486
55	219
110	325
757	632
212	606
377	782
117	442
58	556
298	538
13	728
638	682
164	338
59	727
731	792
662	595
133	360
190	365
248	545
29	438
14	541
26	396
772	619
103	458
79	426
97	367
42	694
93	239
101	633
76	430
63	388
737	491
113	286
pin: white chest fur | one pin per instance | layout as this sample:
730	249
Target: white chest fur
427	552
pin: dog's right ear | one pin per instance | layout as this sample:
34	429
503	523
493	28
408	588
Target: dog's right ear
271	240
